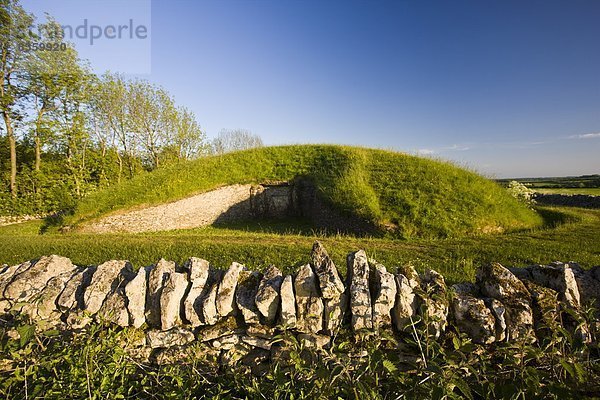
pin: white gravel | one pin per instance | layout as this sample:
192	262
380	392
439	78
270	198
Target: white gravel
192	212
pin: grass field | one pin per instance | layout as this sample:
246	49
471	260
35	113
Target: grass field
577	238
587	191
586	184
416	196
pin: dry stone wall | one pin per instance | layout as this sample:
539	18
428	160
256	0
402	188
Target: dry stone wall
238	311
569	200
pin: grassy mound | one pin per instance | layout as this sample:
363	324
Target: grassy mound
411	196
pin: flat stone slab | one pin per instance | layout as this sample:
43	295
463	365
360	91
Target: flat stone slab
360	296
29	279
226	292
199	274
384	296
106	278
268	295
288	317
156	281
331	287
309	317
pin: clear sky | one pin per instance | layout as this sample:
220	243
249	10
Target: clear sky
509	88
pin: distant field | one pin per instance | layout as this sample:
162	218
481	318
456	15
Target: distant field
577	237
588	191
587	184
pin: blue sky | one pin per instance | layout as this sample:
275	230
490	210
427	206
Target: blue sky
509	88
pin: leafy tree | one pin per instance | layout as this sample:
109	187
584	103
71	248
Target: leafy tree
189	140
44	81
113	127
72	136
152	114
15	36
234	140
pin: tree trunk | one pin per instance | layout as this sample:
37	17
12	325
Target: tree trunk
13	154
38	152
120	162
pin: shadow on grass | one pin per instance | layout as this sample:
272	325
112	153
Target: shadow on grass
287	226
55	222
553	217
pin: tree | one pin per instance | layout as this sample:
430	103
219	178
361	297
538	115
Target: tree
234	140
152	114
15	37
71	116
189	140
110	110
44	84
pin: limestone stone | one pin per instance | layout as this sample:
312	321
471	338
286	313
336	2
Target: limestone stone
259	342
411	275
8	272
315	341
499	283
499	312
209	313
171	299
5	304
287	317
135	290
557	276
106	278
406	305
523	274
384	296
545	308
436	301
466	288
114	308
565	280
309	315
42	305
473	318
262	331
360	296
226	326
331	286
177	336
245	296
71	297
587	284
226	292
29	280
226	342
268	295
156	281
199	274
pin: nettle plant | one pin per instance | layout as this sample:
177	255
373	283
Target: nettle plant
521	192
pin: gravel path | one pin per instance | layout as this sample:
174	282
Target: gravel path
192	212
10	220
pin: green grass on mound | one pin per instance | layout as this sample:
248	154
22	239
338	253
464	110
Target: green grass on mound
416	197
